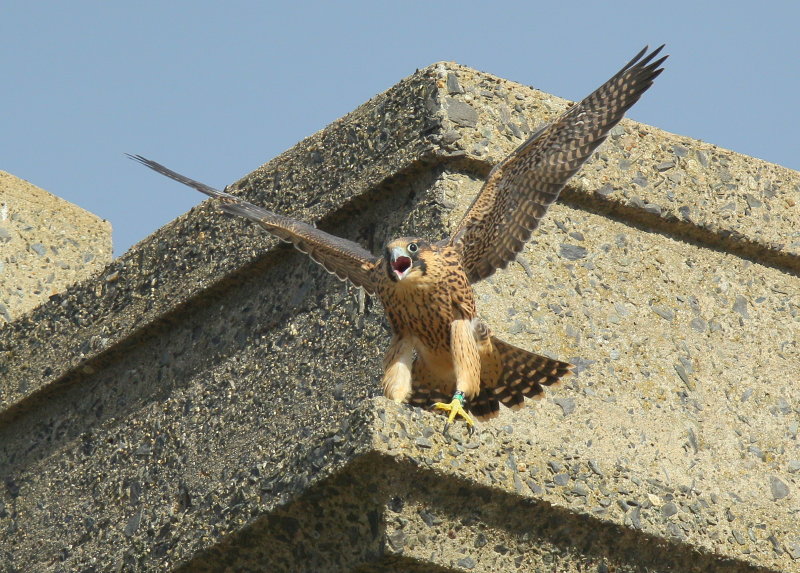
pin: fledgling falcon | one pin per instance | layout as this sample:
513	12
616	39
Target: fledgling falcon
440	348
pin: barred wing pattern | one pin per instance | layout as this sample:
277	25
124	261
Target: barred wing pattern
519	190
345	259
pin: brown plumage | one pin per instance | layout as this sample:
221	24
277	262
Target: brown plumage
440	349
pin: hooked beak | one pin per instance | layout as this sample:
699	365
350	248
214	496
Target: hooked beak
400	263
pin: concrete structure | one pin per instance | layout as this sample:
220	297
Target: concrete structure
208	402
46	244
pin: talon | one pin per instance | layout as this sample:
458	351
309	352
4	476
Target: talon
455	408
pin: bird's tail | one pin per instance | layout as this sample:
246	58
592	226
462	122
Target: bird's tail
512	374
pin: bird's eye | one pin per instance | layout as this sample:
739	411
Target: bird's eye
412	247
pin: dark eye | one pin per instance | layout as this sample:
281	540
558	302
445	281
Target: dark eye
412	247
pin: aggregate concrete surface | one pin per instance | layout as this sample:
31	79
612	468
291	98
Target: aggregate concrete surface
46	244
210	394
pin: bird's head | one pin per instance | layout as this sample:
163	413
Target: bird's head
404	258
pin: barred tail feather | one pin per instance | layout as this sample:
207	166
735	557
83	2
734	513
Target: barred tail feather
524	374
484	406
508	376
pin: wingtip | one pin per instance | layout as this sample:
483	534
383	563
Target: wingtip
645	60
140	159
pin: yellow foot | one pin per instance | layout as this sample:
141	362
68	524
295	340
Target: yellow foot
455	408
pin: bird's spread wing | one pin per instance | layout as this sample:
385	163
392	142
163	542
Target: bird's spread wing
345	259
519	190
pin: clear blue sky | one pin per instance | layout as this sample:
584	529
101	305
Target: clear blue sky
215	89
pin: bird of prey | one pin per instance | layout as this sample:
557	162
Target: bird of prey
440	349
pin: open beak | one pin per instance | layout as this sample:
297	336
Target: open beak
401	263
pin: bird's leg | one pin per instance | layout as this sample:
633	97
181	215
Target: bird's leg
467	368
455	408
397	369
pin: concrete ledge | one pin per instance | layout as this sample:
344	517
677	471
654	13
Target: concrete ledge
47	244
213	388
419	501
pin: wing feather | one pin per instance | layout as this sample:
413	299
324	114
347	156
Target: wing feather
519	190
345	259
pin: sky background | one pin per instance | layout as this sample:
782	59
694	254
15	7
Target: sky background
215	89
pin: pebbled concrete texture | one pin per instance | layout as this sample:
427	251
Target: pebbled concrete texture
212	393
46	244
421	501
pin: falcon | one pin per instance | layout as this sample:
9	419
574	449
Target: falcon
441	354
